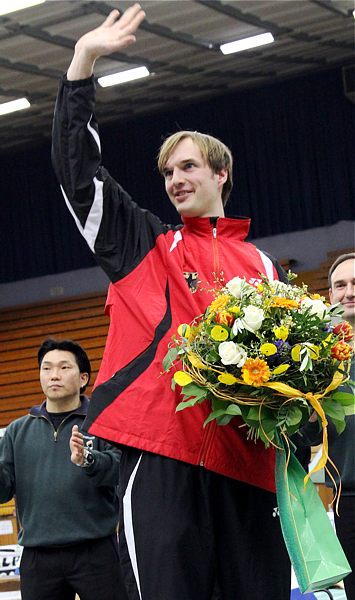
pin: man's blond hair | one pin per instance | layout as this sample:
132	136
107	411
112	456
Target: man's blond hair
215	153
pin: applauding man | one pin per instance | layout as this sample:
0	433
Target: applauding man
68	515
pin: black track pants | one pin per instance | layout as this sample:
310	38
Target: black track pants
90	569
345	528
190	534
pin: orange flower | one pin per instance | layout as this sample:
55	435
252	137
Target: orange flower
341	351
219	303
279	302
344	331
255	372
224	317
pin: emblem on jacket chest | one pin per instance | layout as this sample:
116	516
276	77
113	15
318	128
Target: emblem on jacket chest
191	280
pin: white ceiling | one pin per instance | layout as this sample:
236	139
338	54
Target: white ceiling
179	43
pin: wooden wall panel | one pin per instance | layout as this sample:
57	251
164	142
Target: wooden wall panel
22	330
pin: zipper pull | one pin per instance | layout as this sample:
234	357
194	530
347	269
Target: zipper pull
55	435
214	232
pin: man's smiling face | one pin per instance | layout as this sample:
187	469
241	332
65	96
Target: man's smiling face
193	188
343	288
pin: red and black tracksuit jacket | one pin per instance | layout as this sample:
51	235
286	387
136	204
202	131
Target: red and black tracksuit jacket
161	276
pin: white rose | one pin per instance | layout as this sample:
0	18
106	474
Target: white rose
253	318
234	286
232	354
317	307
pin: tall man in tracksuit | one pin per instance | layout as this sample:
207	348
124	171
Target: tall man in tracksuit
198	503
68	515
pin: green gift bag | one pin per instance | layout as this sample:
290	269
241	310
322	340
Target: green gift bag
314	549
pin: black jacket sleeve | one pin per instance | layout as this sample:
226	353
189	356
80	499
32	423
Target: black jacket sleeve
116	229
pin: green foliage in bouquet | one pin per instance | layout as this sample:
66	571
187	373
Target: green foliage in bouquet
266	353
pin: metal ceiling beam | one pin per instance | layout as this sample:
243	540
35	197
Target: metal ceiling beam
64	42
332	7
160	30
15	93
28	68
244	17
277	31
308	37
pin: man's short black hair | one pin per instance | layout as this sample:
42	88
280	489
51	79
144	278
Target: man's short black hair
342	258
81	357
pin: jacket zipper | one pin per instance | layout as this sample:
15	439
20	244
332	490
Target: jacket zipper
207	442
55	431
48	421
215	253
60	426
211	427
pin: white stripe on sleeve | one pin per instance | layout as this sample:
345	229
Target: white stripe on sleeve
91	228
93	221
268	266
94	134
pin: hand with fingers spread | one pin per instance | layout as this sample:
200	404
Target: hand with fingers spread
76	444
115	33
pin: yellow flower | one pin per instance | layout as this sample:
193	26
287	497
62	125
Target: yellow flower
313	351
182	378
268	349
281	332
280	369
235	310
328	340
255	372
219	334
196	362
194	332
279	302
227	378
219	303
296	352
184	330
260	287
316	296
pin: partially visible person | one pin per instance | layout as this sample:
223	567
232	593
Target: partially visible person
68	515
341	447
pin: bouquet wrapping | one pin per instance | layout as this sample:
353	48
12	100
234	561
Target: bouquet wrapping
317	557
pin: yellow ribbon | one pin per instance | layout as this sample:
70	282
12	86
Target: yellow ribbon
313	399
286	390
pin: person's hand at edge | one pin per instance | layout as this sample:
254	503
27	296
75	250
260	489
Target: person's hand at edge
76	444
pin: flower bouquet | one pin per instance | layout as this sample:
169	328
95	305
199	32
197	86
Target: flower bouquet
268	353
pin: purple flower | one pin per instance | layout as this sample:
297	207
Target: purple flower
283	349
